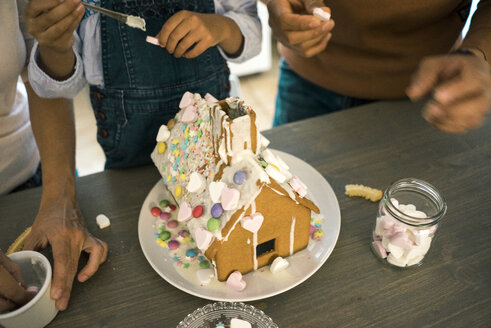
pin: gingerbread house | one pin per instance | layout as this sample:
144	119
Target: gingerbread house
238	199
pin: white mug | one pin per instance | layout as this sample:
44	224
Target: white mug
39	311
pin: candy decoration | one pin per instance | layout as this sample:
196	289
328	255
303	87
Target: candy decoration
213	224
377	246
164	203
252	223
178	191
172	207
230	198
173	244
197	211
152	40
164	215
205	275
321	14
171	123
239	323
298	186
185	212
190	115
186	100
102	221
172	224
203	238
216	210
215	190
204	264
274	173
210	99
279	264
155	211
191	253
161	147
164	235
183	233
235	281
239	177
163	134
196	182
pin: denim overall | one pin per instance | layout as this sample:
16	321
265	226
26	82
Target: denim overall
143	83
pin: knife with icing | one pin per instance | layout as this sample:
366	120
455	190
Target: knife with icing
130	20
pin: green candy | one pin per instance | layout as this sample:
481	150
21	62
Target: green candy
264	164
213	224
165	235
204	264
164	203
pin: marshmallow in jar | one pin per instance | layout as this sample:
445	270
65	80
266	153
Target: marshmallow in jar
408	217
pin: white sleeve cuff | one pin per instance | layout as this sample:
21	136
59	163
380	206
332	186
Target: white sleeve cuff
250	27
47	87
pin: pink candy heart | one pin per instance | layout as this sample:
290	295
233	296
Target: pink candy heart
185	212
203	238
210	99
298	186
190	115
252	223
186	100
230	198
236	282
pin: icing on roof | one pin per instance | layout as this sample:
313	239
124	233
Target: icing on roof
206	145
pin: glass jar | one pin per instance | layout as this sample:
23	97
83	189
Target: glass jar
408	217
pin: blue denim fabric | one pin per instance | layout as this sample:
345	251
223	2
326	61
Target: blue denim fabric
298	99
143	83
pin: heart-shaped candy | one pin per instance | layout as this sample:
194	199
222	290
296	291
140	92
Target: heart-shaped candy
163	133
298	186
278	265
205	275
239	323
186	100
185	212
196	182
215	190
236	282
252	223
203	238
210	99
230	198
190	115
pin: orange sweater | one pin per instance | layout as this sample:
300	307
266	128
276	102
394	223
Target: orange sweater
377	45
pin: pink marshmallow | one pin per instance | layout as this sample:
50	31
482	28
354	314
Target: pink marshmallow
152	40
186	100
236	282
401	239
210	99
377	246
190	115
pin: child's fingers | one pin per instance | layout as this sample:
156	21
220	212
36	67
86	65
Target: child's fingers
198	49
185	44
179	33
170	25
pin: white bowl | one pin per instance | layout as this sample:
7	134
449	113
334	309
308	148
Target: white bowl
38	312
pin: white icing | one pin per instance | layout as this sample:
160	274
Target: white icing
254	245
136	22
292	235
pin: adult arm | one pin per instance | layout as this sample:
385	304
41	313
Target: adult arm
59	221
460	83
55	67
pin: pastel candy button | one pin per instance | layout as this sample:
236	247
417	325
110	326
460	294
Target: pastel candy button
216	210
239	177
213	224
172	224
173	244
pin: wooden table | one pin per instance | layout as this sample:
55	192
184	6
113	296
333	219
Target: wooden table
372	145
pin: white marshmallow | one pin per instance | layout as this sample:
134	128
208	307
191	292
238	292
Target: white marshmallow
238	323
275	174
415	260
279	264
400	262
205	275
102	221
163	134
321	14
196	182
396	251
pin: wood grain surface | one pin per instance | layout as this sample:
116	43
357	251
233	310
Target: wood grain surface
371	145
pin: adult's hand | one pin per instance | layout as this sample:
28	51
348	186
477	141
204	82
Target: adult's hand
13	291
60	224
295	26
52	23
461	88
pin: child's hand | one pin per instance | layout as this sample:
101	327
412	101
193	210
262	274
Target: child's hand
185	29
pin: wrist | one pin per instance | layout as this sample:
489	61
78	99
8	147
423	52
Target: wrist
58	64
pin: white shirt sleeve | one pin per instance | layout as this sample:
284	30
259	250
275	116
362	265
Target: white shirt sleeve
244	14
47	87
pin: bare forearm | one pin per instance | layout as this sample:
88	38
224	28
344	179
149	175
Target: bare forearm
54	129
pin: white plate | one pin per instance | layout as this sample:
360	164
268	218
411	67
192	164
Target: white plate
262	283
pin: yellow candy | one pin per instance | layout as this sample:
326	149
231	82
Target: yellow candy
276	167
178	191
185	240
183	176
168	178
161	147
175	141
175	152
